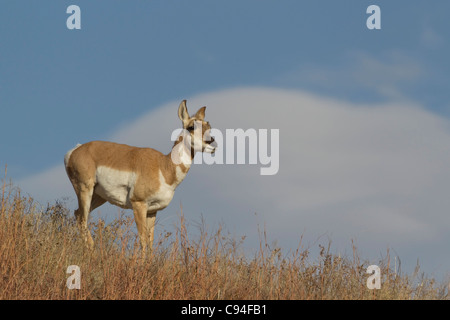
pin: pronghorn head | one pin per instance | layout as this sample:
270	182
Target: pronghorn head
197	131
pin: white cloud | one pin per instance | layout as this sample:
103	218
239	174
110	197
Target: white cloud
387	76
48	186
378	173
430	38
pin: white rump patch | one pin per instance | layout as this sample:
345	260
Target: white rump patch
69	153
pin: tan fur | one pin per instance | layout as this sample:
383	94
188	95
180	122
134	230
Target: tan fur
142	179
84	161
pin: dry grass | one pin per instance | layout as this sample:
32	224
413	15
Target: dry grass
37	246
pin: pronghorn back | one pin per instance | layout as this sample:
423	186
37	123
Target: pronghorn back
120	173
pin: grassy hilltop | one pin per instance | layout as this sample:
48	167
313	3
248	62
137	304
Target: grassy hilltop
38	245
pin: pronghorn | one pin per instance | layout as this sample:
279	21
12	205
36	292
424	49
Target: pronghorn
142	179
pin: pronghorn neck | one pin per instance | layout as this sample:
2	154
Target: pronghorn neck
180	158
182	153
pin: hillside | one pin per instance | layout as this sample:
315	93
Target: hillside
38	245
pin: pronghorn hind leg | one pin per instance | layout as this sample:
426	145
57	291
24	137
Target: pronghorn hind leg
84	194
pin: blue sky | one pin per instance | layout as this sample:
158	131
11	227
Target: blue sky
59	87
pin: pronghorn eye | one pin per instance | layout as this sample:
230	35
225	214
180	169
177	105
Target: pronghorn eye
190	128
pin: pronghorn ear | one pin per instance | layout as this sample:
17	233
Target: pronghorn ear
182	112
200	113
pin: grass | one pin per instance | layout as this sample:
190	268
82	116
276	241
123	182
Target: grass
37	246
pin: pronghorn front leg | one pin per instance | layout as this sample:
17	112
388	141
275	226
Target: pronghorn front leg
140	216
151	217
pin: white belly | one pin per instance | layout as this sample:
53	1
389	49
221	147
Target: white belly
162	197
115	186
